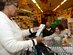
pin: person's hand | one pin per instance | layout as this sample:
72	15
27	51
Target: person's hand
39	39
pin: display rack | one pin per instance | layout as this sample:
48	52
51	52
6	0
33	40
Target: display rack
70	25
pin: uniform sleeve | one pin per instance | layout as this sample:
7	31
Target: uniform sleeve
8	41
27	32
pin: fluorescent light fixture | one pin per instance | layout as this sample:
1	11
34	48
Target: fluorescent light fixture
26	10
56	7
63	2
39	7
60	5
34	1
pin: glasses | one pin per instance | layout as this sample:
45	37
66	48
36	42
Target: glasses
16	5
10	3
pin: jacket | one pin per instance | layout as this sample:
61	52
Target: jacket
11	37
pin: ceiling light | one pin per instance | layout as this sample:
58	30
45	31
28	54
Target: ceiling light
26	10
34	1
63	2
39	7
60	5
56	7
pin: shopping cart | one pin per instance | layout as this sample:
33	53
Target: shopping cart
60	50
63	50
39	50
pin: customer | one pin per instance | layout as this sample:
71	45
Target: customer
47	31
56	37
11	36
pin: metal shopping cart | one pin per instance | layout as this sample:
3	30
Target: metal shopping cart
63	50
52	50
40	49
60	50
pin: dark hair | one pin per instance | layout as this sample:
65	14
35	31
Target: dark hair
61	27
2	4
6	2
35	23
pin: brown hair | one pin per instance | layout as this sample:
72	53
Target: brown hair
61	27
2	4
6	2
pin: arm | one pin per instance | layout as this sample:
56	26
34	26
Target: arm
25	32
29	31
8	41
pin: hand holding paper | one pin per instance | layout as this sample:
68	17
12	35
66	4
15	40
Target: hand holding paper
41	27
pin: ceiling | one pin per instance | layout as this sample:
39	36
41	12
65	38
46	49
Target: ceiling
45	5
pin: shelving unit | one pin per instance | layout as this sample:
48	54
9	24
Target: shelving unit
70	25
